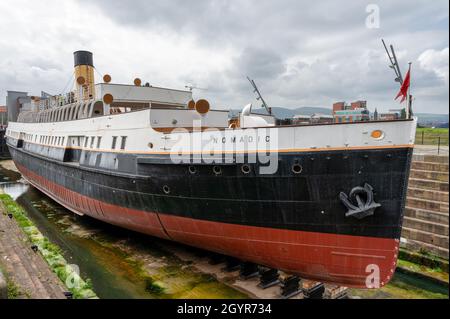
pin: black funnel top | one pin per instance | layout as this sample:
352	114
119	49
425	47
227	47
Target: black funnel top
83	58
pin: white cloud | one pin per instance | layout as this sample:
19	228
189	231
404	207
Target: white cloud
300	53
435	61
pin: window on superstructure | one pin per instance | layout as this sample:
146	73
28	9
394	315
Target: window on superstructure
86	141
92	141
123	142
63	139
99	139
114	142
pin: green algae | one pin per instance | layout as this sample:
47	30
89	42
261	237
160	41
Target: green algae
148	269
14	291
51	253
405	286
435	272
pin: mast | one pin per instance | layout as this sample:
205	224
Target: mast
399	78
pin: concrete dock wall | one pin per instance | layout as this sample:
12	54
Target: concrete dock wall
426	221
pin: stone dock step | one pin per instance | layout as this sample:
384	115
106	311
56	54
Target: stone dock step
26	268
413	245
433	195
425	237
425	204
430	158
427	226
434	217
430	175
428	184
430	166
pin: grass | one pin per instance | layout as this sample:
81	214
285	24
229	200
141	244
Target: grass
408	286
424	258
430	136
50	252
13	290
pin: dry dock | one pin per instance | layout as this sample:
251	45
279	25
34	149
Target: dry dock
123	264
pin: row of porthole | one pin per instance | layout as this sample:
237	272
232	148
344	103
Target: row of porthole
296	169
245	168
218	170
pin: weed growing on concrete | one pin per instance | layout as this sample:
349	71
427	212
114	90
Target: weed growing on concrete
51	253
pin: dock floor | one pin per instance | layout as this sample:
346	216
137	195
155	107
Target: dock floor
24	268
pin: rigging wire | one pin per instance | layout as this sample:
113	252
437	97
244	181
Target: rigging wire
98	72
71	80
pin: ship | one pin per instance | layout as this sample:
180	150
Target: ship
323	201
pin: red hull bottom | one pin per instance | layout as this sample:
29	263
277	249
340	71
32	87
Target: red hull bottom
354	261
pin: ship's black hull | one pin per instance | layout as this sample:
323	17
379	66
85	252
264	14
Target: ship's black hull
304	205
308	201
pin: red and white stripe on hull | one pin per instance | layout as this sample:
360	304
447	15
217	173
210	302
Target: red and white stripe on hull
341	259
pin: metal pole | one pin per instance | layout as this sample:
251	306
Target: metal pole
396	65
409	100
439	144
393	63
422	136
256	90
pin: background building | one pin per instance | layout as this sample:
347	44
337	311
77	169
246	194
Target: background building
355	112
391	115
3	117
312	119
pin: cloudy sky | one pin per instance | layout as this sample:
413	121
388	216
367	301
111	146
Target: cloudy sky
300	53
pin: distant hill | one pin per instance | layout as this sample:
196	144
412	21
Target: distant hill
428	119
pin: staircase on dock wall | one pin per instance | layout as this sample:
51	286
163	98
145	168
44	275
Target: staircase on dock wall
425	225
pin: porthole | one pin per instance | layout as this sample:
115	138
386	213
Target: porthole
217	170
297	168
192	170
150	145
377	134
245	169
166	189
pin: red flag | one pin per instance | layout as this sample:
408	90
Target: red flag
404	88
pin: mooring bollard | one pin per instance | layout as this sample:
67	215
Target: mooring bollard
3	287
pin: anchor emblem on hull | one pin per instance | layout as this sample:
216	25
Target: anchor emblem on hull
363	208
